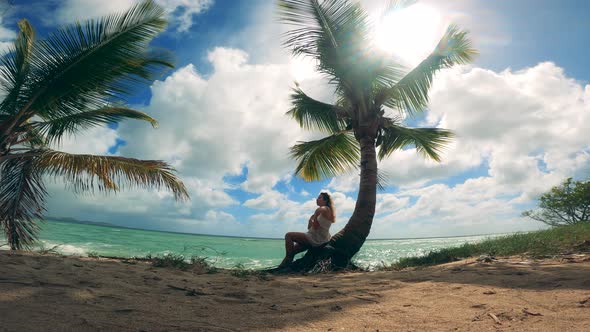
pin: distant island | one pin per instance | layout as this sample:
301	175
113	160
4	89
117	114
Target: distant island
76	221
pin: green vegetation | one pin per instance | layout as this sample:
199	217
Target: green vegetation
240	271
171	260
567	204
77	78
201	264
543	243
180	262
42	249
93	254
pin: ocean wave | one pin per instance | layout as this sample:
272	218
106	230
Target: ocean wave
64	249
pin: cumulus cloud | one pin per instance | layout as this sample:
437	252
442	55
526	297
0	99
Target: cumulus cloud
96	140
390	202
528	127
268	200
181	11
213	127
6	36
518	118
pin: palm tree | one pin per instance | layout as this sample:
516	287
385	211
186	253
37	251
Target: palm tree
74	79
337	35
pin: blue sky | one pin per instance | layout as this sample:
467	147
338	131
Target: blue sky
520	112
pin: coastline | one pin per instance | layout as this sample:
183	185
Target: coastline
226	252
109	225
40	292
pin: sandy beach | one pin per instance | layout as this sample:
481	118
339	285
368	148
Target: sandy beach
56	293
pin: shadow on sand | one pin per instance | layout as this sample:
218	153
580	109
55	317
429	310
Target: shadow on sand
41	292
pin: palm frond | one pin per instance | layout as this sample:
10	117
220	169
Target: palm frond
96	63
29	136
54	129
327	157
313	114
15	66
22	195
109	173
411	92
428	141
382	179
392	6
334	32
385	71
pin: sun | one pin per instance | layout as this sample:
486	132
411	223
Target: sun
410	33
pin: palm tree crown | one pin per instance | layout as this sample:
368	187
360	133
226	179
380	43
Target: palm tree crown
75	79
338	35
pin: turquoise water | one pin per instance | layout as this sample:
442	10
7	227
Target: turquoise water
80	239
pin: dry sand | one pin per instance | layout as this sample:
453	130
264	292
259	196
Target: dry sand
55	293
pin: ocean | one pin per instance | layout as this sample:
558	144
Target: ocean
221	251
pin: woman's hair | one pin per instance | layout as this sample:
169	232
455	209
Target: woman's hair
330	203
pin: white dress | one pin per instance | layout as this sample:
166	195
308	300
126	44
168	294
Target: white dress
321	235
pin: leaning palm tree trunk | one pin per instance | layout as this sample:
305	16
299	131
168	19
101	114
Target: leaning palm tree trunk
351	238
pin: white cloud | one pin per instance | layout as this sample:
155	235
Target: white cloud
390	202
96	140
144	208
187	9
346	183
530	127
219	216
76	10
213	127
6	36
181	11
267	201
516	118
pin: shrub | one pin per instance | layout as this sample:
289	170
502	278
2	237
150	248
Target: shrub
567	204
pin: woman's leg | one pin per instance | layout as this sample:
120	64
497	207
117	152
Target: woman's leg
292	248
297	248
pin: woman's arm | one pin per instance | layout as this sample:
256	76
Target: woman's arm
314	218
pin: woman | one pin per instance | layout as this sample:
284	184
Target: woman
317	230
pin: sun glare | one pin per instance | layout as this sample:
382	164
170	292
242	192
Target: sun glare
410	33
302	68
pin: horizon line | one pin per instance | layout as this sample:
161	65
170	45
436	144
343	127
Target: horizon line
106	224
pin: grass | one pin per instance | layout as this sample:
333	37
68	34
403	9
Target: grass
175	261
195	264
44	250
543	243
93	254
201	264
171	260
240	271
